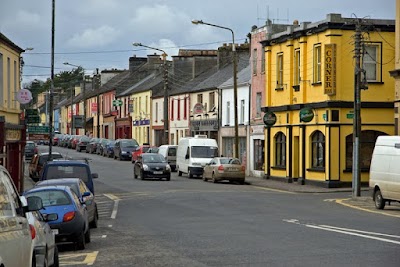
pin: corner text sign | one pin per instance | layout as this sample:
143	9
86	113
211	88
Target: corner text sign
330	69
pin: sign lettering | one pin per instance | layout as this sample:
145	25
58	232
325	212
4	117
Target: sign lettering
330	69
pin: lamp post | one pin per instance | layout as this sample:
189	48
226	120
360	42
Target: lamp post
235	93
83	96
164	55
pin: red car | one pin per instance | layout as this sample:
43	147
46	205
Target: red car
139	151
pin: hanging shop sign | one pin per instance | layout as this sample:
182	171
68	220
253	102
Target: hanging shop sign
198	108
306	114
269	118
330	69
24	96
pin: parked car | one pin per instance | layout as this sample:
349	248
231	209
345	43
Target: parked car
30	150
151	165
101	146
108	150
81	143
15	232
152	150
224	168
83	193
45	252
169	153
56	139
72	224
74	141
138	151
123	148
69	169
38	161
92	145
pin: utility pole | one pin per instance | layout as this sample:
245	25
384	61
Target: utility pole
52	82
357	113
84	103
166	133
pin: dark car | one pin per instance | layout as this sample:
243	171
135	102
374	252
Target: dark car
81	143
83	193
72	224
151	165
123	148
92	145
108	150
38	161
101	146
30	150
69	169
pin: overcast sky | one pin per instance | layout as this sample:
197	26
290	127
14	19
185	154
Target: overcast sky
100	33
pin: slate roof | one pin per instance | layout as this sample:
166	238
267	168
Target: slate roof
243	77
150	82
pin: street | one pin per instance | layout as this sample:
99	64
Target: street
188	222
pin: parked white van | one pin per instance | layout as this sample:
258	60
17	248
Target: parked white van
194	153
169	153
384	178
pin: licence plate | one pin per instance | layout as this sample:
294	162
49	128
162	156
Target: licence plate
158	172
55	231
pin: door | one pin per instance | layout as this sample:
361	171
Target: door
296	157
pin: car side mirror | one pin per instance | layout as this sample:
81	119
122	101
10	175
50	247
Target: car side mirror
50	217
95	175
187	156
34	203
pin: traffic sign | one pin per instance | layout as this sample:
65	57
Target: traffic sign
33	119
31	112
38	129
117	102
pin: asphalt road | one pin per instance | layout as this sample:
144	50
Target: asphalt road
188	222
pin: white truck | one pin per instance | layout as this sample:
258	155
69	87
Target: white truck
194	153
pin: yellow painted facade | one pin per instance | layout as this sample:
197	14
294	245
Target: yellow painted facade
141	116
310	72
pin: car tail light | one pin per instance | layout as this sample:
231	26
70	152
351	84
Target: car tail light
33	231
69	216
220	168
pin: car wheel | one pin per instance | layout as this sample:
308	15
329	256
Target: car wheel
94	223
34	260
134	173
179	172
204	178
56	262
80	243
168	178
87	236
242	182
115	157
379	201
119	157
190	175
214	180
141	176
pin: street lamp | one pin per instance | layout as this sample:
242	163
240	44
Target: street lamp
164	55
235	93
83	96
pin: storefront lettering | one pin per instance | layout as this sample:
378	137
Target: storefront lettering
13	135
330	69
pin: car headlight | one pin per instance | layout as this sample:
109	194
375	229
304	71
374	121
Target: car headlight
145	167
167	167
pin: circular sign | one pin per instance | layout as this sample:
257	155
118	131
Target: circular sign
269	118
24	96
198	108
306	114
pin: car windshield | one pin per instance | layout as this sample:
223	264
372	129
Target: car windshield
230	161
129	143
74	187
204	152
51	197
30	145
45	158
172	151
65	171
145	149
154	158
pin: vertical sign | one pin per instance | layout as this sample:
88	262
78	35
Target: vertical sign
94	107
330	69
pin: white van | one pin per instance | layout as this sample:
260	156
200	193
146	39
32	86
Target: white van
384	177
194	153
169	153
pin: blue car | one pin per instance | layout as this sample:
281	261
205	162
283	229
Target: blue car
109	149
72	223
83	193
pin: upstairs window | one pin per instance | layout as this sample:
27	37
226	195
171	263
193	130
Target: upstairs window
317	64
371	62
279	71
296	67
255	61
258	104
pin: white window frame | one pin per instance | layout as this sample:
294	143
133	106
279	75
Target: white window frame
317	64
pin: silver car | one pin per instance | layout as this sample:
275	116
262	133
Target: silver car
224	168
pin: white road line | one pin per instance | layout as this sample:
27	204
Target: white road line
115	209
359	231
110	225
352	233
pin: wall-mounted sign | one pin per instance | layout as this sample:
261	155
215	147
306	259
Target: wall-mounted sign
77	121
306	114
198	108
269	118
24	96
94	107
130	106
330	69
13	135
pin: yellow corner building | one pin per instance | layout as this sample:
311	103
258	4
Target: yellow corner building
310	92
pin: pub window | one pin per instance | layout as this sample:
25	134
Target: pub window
318	149
280	150
317	64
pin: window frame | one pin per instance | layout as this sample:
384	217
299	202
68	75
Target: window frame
318	149
280	150
297	67
317	64
254	59
377	61
279	70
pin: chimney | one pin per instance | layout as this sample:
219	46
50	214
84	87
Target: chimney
136	62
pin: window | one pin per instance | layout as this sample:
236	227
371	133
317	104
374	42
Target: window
8	83
258	154
262	62
179	110
172	110
318	150
255	61
15	85
279	71
1	81
367	144
212	100
317	64
146	106
280	150
296	67
228	113
156	112
258	104
242	111
185	109
370	61
200	98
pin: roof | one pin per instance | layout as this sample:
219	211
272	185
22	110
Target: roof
243	77
4	39
150	82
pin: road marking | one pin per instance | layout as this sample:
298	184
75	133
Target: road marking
112	197
274	190
349	231
110	225
103	236
115	209
78	258
340	201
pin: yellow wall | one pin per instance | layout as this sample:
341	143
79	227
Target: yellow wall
141	111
